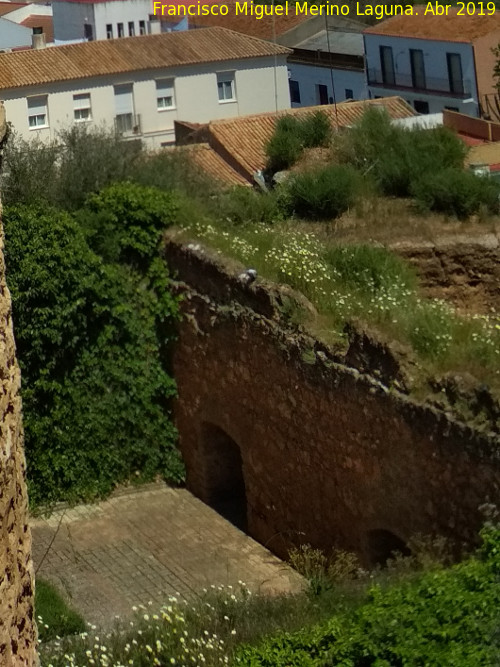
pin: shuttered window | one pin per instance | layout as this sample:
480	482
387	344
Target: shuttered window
124	107
165	98
81	107
37	111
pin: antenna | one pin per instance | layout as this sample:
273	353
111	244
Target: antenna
331	68
275	61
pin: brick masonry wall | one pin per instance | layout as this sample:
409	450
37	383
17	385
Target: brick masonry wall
17	627
328	454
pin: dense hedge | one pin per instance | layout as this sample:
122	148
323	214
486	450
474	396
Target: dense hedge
446	617
92	330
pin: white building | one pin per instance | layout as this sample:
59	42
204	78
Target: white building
141	85
76	20
20	20
434	62
13	36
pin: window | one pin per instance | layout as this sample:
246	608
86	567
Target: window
37	112
124	107
294	92
321	94
142	27
81	107
455	73
421	106
121	30
226	87
109	31
387	65
131	29
88	32
349	95
417	69
165	98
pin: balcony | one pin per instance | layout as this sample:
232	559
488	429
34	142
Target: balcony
128	124
432	85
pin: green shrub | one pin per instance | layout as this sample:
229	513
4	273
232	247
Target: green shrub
315	130
125	222
456	192
90	337
292	135
443	617
63	173
322	193
396	157
283	149
91	159
172	170
29	173
242	205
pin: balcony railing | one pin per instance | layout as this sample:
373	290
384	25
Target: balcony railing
128	124
432	85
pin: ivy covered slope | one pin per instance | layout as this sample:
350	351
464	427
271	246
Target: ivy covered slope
93	317
448	616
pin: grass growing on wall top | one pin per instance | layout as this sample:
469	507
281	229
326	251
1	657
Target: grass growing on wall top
365	282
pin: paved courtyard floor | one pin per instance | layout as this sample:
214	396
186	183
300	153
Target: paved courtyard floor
144	545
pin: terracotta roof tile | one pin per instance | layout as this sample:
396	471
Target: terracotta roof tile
7	7
40	21
450	28
213	164
245	137
485	153
246	23
130	54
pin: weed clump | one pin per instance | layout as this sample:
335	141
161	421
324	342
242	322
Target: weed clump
456	192
322	193
292	135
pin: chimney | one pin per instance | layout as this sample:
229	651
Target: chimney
38	41
154	25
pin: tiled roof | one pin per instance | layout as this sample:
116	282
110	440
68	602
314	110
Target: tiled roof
450	28
40	21
129	54
245	137
264	28
213	164
7	7
485	153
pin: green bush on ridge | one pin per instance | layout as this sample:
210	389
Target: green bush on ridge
456	192
321	193
292	135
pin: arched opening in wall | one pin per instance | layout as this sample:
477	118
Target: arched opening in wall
382	545
224	480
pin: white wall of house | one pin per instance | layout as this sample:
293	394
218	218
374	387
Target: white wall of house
125	11
25	11
70	17
309	77
195	92
13	35
437	93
